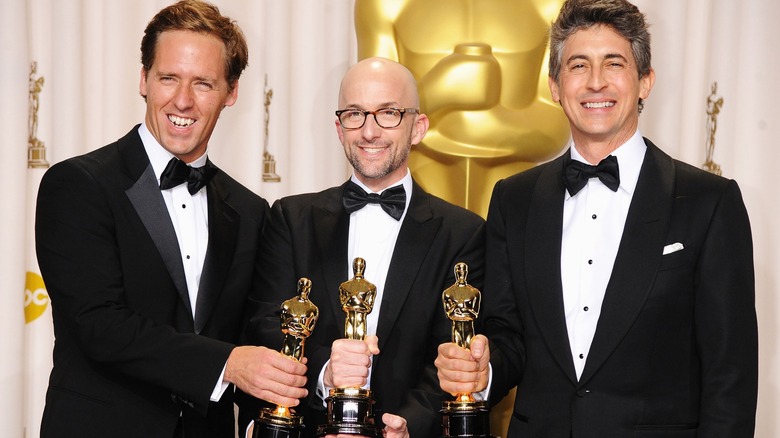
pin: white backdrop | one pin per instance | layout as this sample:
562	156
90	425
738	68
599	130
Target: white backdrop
88	53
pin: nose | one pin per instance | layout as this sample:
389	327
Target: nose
371	129
597	79
184	96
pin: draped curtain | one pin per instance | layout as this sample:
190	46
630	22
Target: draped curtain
87	52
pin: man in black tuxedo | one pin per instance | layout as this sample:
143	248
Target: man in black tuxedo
619	298
147	250
410	251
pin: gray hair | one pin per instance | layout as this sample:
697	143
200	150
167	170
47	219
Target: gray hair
619	15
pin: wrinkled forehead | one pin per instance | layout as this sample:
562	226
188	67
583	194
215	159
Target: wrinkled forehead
597	42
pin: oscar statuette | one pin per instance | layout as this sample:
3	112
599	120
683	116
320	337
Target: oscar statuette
298	317
464	416
351	410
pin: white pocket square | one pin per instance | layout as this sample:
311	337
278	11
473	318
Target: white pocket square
674	247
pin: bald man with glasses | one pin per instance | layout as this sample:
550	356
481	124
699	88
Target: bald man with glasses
410	241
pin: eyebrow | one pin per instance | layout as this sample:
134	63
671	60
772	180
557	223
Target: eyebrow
380	106
586	58
161	73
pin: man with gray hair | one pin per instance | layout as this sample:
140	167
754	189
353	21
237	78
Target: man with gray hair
619	288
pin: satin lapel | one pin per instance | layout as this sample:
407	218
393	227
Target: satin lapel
331	229
543	263
414	241
148	202
223	232
638	257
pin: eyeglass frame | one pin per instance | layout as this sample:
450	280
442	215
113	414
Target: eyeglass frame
365	113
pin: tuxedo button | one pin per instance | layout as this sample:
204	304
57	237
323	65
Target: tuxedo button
582	392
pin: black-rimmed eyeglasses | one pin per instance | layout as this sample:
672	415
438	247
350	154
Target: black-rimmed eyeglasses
353	118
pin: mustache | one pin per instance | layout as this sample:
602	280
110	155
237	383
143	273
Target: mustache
374	143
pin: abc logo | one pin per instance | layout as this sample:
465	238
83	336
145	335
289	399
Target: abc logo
35	297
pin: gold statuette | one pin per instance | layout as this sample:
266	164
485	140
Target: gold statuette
464	416
298	317
351	410
357	300
714	105
269	164
36	149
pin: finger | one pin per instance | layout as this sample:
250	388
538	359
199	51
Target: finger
350	346
343	374
395	426
477	346
278	394
286	372
287	365
393	421
451	350
345	359
341	381
456	365
373	344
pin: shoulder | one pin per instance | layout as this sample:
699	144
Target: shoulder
100	167
225	192
449	213
690	181
125	156
329	199
523	183
452	211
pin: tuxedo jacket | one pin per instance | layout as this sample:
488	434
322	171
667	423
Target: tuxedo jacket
675	348
129	358
307	236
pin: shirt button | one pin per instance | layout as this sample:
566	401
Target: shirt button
582	356
184	206
188	257
585	308
594	216
590	262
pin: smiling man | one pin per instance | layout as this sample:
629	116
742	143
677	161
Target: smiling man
410	241
619	288
147	250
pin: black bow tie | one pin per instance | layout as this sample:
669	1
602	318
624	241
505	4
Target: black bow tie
177	172
392	200
576	174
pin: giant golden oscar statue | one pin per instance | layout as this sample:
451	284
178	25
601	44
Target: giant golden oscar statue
481	68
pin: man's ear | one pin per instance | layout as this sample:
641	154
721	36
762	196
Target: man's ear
142	83
553	89
420	128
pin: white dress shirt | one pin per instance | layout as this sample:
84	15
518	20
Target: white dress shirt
189	214
372	237
593	222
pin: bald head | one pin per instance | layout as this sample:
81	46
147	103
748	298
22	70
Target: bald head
378	148
373	74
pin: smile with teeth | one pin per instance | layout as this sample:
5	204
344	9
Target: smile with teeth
598	104
373	150
180	122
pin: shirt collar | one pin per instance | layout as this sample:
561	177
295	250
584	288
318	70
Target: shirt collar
158	155
630	156
406	182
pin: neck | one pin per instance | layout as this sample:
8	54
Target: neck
594	150
378	184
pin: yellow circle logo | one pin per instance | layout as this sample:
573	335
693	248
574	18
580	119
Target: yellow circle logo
35	297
